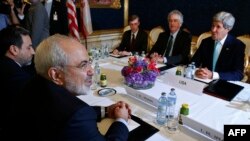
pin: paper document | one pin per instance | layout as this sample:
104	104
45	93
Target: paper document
202	80
104	125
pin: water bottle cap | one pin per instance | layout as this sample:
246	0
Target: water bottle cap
172	89
185	105
163	93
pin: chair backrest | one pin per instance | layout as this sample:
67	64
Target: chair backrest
153	35
201	37
246	40
126	28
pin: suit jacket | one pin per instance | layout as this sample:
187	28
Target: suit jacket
61	24
37	22
181	47
48	112
141	42
230	63
13	78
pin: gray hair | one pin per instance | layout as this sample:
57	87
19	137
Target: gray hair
226	18
176	12
49	53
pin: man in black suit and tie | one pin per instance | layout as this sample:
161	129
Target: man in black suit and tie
16	52
49	109
173	46
58	19
134	40
221	55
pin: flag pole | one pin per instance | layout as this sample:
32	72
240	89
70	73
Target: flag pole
85	41
86	23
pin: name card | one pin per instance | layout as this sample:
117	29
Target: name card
202	129
143	97
186	84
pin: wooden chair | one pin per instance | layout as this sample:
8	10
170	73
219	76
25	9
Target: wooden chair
201	37
198	42
246	40
126	28
153	36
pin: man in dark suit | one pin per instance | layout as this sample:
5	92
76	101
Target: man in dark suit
58	19
222	55
48	108
173	46
15	53
37	22
134	40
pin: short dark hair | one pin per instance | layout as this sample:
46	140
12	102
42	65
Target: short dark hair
133	17
11	35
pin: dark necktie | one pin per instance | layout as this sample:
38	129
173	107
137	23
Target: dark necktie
132	44
169	46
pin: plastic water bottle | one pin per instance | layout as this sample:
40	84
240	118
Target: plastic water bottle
171	103
97	73
193	70
106	53
162	109
188	71
143	55
137	55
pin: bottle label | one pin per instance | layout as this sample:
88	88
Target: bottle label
184	111
103	83
162	109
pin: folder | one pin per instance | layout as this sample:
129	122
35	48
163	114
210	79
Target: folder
117	56
222	89
143	132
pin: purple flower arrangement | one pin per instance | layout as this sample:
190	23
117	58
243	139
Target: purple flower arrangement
140	74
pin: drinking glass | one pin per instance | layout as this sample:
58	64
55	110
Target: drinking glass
173	122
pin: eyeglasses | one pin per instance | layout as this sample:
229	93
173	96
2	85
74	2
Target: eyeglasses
83	65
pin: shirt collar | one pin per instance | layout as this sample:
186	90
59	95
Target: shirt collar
18	63
174	34
135	33
49	1
222	41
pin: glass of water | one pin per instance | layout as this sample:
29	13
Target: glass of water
173	122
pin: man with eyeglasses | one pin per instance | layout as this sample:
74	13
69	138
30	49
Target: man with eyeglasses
48	108
133	40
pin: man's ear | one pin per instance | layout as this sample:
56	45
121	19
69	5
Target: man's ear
56	75
13	50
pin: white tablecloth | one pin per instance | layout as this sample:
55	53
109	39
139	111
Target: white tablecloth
210	111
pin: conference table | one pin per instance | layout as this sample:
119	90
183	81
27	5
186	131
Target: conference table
206	118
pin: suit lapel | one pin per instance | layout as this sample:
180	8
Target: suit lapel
176	41
224	51
209	51
165	43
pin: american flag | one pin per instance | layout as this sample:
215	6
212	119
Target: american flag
73	25
86	23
